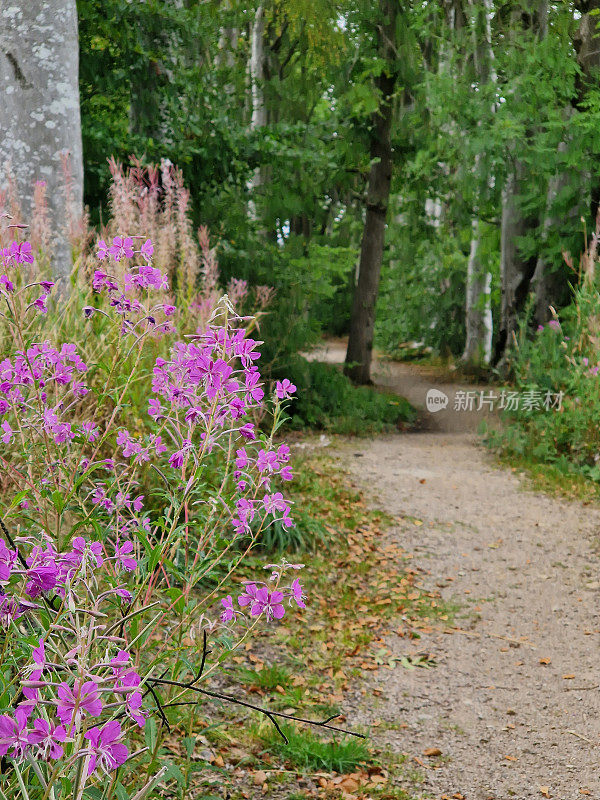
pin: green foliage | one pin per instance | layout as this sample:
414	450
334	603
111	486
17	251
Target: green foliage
330	402
422	296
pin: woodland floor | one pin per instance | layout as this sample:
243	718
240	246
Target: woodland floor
512	707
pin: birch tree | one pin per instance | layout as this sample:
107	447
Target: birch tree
39	112
259	109
478	311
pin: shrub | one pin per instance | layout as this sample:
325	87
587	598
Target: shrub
329	401
558	368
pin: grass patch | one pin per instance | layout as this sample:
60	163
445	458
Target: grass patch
268	678
307	751
557	479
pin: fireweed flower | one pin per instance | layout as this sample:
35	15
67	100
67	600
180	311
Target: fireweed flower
122	247
107	752
249	595
74	702
102	250
120	663
127	686
46	739
41	303
7	432
6	284
122	551
268	603
296	593
13	735
229	613
284	389
147	249
7	561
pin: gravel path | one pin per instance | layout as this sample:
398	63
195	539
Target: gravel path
514	703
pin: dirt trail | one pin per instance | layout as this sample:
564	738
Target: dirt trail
514	703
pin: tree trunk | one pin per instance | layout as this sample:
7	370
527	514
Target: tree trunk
515	271
478	309
362	321
39	113
546	281
259	109
478	317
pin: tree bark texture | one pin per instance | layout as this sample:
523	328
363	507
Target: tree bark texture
362	321
39	112
259	109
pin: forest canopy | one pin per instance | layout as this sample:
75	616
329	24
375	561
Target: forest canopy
493	145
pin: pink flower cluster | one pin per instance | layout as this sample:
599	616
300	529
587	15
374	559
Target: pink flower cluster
45	571
140	277
110	687
205	404
262	599
46	375
553	325
16	253
11	259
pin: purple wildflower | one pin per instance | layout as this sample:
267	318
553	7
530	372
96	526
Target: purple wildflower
107	752
46	738
13	735
297	594
284	389
268	603
74	701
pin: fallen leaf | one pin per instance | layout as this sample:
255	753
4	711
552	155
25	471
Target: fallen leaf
259	777
432	751
568	677
584	791
545	661
349	785
545	791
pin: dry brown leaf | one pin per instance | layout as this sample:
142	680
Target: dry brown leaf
432	751
545	791
545	661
